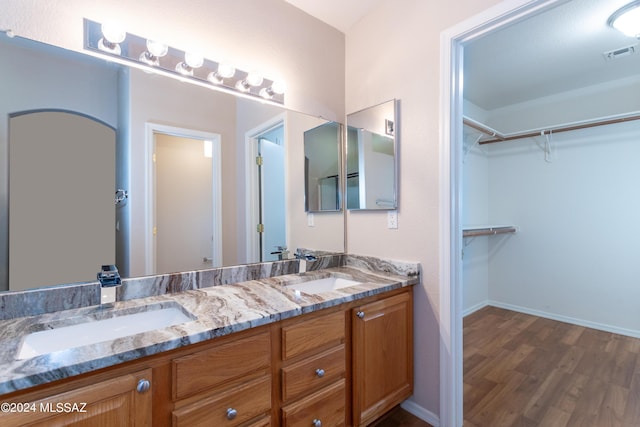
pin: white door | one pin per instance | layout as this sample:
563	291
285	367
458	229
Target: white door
184	193
272	198
61	204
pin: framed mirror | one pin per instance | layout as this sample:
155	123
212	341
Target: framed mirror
154	121
322	168
372	163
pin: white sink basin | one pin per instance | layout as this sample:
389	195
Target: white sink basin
323	285
94	331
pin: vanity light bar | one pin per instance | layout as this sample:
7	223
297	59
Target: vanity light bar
136	51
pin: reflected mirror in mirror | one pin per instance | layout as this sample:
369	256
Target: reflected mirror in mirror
372	147
322	168
154	119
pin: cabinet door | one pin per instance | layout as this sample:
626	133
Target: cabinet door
382	356
115	402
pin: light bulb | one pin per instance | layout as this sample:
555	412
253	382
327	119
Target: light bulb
112	35
193	60
226	70
279	87
113	32
157	49
254	79
243	86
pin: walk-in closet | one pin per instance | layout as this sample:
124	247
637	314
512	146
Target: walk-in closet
551	169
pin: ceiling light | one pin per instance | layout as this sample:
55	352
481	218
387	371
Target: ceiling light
627	19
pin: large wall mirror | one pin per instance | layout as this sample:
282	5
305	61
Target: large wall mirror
183	188
322	168
372	164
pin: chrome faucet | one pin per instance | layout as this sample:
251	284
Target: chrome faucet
303	259
307	257
109	279
282	252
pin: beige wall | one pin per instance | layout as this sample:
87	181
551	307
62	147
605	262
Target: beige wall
394	52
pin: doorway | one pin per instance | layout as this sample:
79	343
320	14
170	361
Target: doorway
451	137
267	216
184	202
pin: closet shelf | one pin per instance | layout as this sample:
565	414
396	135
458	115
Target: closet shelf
488	230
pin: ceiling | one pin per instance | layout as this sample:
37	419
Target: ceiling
558	50
555	51
340	14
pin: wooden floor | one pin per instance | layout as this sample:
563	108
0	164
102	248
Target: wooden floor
398	417
522	370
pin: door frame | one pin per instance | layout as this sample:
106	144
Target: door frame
452	43
150	189
252	248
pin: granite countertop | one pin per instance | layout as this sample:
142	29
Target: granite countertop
220	310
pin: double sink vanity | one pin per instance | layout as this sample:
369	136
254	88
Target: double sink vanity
255	345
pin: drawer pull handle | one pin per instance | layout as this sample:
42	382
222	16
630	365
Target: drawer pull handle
143	385
360	314
320	373
231	413
316	423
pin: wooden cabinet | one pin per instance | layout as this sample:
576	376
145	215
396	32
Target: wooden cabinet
350	362
313	370
382	356
224	385
113	402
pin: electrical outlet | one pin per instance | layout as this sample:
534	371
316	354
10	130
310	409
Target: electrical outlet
392	219
310	220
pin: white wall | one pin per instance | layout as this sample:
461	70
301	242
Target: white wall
394	52
575	254
475	211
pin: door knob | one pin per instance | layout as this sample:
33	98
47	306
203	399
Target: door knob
231	413
360	314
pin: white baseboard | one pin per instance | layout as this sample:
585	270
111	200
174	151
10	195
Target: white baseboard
566	319
475	308
420	412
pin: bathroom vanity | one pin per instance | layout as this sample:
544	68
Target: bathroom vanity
259	353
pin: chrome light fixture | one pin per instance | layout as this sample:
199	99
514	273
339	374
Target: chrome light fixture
627	19
112	42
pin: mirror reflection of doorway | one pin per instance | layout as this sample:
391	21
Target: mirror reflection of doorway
272	229
186	201
53	221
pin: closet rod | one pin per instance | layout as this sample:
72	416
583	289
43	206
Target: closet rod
488	231
498	137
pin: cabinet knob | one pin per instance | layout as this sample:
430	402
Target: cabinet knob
320	373
316	423
360	314
143	385
231	413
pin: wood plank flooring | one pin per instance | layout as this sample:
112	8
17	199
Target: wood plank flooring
398	417
527	371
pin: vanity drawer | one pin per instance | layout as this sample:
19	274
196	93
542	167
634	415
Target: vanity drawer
220	364
326	406
304	376
248	400
312	334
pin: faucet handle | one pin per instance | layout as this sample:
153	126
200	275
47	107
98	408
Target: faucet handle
109	276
